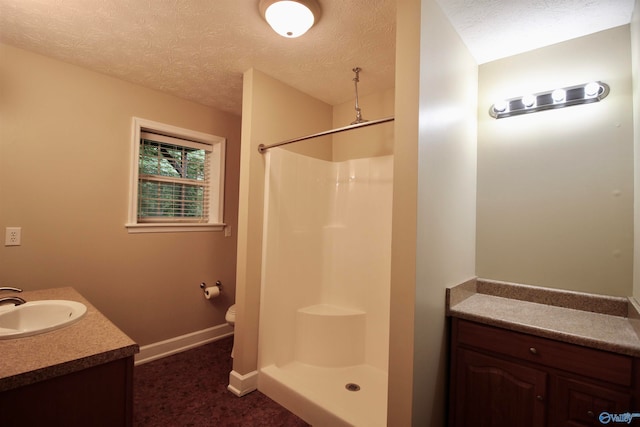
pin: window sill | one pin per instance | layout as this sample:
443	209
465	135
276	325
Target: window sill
172	228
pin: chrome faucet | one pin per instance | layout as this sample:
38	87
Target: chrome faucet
13	299
10	288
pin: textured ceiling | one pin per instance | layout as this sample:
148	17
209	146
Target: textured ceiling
494	29
198	49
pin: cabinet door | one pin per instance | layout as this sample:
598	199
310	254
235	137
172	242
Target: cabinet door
578	403
492	392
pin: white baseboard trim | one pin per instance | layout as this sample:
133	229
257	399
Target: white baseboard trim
242	384
155	351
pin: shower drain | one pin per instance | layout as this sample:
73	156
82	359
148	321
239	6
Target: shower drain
352	387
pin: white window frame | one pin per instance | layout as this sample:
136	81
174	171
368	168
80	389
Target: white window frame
216	173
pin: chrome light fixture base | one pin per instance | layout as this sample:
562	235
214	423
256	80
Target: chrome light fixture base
552	99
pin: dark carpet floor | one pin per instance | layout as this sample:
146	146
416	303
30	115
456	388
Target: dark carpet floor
190	389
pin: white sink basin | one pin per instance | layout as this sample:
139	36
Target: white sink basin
37	317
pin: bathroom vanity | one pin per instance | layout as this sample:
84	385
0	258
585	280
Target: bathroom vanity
79	375
529	356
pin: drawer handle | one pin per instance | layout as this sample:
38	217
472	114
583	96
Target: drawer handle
590	414
539	397
533	350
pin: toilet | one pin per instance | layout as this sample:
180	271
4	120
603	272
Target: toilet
230	317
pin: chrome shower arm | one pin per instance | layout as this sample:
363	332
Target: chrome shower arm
356	79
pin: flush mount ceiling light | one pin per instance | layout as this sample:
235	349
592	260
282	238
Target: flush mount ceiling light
557	98
290	18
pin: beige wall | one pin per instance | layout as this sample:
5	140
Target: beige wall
272	112
635	59
65	143
555	188
404	214
433	240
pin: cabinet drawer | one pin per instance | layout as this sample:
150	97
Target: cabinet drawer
602	365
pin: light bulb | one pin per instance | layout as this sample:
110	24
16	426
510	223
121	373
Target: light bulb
591	89
289	18
558	95
529	101
500	106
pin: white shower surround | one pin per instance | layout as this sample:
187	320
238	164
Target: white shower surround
326	271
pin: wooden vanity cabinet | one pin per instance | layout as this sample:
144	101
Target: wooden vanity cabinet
99	396
504	378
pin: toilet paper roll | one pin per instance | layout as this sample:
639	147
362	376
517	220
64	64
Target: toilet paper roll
211	292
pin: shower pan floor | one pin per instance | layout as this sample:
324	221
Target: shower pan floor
324	396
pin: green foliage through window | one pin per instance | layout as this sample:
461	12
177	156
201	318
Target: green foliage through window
172	182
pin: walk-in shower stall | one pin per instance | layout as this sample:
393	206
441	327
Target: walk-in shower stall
324	315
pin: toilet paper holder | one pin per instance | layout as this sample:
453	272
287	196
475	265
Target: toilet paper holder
203	285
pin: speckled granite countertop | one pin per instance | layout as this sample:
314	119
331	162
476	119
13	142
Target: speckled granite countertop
91	341
596	321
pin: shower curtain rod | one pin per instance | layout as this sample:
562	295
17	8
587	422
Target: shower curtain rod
262	148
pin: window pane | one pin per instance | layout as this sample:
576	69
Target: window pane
170	160
195	165
166	199
160	194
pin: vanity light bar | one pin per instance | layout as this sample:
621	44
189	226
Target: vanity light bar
557	98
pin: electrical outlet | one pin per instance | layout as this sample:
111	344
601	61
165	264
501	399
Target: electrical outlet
12	236
227	231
